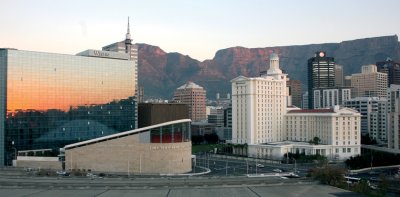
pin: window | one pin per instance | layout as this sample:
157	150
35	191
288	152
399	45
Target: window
337	150
349	150
344	150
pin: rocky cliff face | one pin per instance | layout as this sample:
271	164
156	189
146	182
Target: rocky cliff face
161	73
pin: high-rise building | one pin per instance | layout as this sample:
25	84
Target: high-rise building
49	100
373	112
393	136
369	83
258	106
392	69
321	74
194	96
127	47
339	76
295	92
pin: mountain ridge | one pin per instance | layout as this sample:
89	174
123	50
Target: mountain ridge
160	73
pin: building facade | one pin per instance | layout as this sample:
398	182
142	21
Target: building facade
304	101
321	74
156	113
258	106
392	69
374	114
339	75
330	97
127	47
49	100
158	149
295	92
337	128
393	135
216	116
194	96
369	83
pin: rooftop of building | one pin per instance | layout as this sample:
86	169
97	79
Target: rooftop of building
189	85
290	143
312	111
202	124
123	134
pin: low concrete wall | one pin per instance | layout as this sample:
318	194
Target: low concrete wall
38	162
373	168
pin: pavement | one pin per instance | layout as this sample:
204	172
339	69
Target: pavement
310	190
227	179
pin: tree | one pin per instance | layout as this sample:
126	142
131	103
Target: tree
315	141
329	175
211	138
362	187
367	140
197	139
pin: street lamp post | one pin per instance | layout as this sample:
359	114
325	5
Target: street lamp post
256	166
15	150
247	166
226	168
295	167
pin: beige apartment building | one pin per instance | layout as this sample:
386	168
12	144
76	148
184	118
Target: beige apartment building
259	105
194	96
369	83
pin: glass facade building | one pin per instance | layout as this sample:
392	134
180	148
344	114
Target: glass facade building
50	100
321	74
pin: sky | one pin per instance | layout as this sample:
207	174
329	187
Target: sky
198	28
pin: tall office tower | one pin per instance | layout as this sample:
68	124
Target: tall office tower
393	97
321	74
126	46
369	83
258	106
295	91
339	77
49	100
194	96
373	112
392	69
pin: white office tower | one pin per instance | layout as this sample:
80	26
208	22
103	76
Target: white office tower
393	97
258	106
374	113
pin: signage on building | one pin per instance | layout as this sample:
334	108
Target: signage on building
104	54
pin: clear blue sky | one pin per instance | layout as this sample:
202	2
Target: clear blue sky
197	28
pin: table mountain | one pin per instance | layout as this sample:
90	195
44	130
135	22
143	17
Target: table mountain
160	73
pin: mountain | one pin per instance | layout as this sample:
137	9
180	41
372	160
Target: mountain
160	73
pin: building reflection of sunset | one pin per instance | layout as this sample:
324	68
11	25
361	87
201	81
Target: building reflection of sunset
57	92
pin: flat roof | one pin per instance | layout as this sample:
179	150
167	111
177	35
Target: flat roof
311	111
123	134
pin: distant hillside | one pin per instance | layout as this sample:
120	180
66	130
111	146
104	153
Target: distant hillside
161	73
